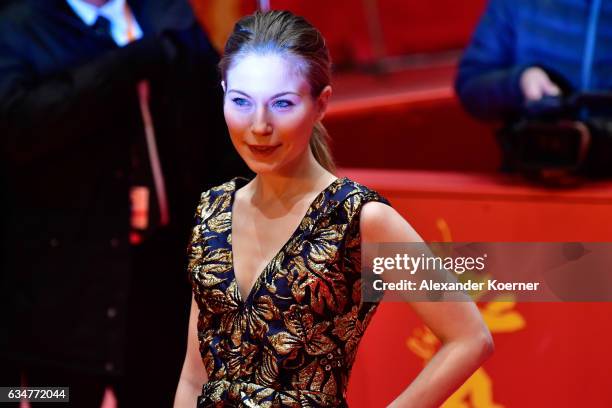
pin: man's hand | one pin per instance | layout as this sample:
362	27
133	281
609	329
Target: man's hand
535	84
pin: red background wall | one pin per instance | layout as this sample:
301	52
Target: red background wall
547	354
411	125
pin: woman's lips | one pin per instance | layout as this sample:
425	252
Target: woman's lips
263	150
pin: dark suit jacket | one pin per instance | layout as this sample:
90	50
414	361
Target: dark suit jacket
68	118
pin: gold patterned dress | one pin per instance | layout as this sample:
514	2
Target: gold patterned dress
293	340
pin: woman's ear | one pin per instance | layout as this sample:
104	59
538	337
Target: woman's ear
223	86
323	101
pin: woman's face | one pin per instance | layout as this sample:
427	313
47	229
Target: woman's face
270	112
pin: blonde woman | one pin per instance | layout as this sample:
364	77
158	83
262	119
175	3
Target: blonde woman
277	314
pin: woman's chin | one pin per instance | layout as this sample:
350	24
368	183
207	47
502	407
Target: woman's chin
258	167
278	165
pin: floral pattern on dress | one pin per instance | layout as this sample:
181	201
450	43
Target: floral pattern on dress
293	340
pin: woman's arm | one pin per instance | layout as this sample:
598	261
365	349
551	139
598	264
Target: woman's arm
466	341
193	375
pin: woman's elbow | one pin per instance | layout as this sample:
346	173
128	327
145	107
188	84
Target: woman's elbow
483	345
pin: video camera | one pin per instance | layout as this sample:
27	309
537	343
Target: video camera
561	139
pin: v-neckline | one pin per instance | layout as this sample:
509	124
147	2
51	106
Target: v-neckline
262	273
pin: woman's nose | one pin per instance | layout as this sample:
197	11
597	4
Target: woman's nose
261	125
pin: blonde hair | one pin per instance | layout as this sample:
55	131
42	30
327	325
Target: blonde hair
287	34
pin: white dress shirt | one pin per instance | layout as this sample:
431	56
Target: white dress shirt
124	27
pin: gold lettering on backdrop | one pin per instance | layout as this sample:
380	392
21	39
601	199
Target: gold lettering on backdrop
500	317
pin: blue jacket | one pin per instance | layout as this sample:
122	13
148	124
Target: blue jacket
570	39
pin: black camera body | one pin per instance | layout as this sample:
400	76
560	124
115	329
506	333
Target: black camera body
559	140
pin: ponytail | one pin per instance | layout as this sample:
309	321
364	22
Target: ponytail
320	147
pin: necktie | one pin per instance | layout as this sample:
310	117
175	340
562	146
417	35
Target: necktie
102	27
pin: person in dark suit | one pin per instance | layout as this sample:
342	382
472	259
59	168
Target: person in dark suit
91	298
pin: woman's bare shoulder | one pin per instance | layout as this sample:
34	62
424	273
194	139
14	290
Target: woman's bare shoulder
380	222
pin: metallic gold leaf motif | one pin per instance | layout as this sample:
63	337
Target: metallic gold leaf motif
352	204
292	342
285	343
239	359
319	201
331	234
334	188
266	373
209	280
306	223
257	314
311	374
217	261
300	323
232	360
326	288
322	251
350	329
220	203
203	204
204	324
264	308
298	277
330	386
219	303
194	254
220	223
209	362
346	326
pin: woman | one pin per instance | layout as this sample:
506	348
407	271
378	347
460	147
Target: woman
275	261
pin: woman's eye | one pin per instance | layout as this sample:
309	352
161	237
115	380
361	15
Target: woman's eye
283	103
241	102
